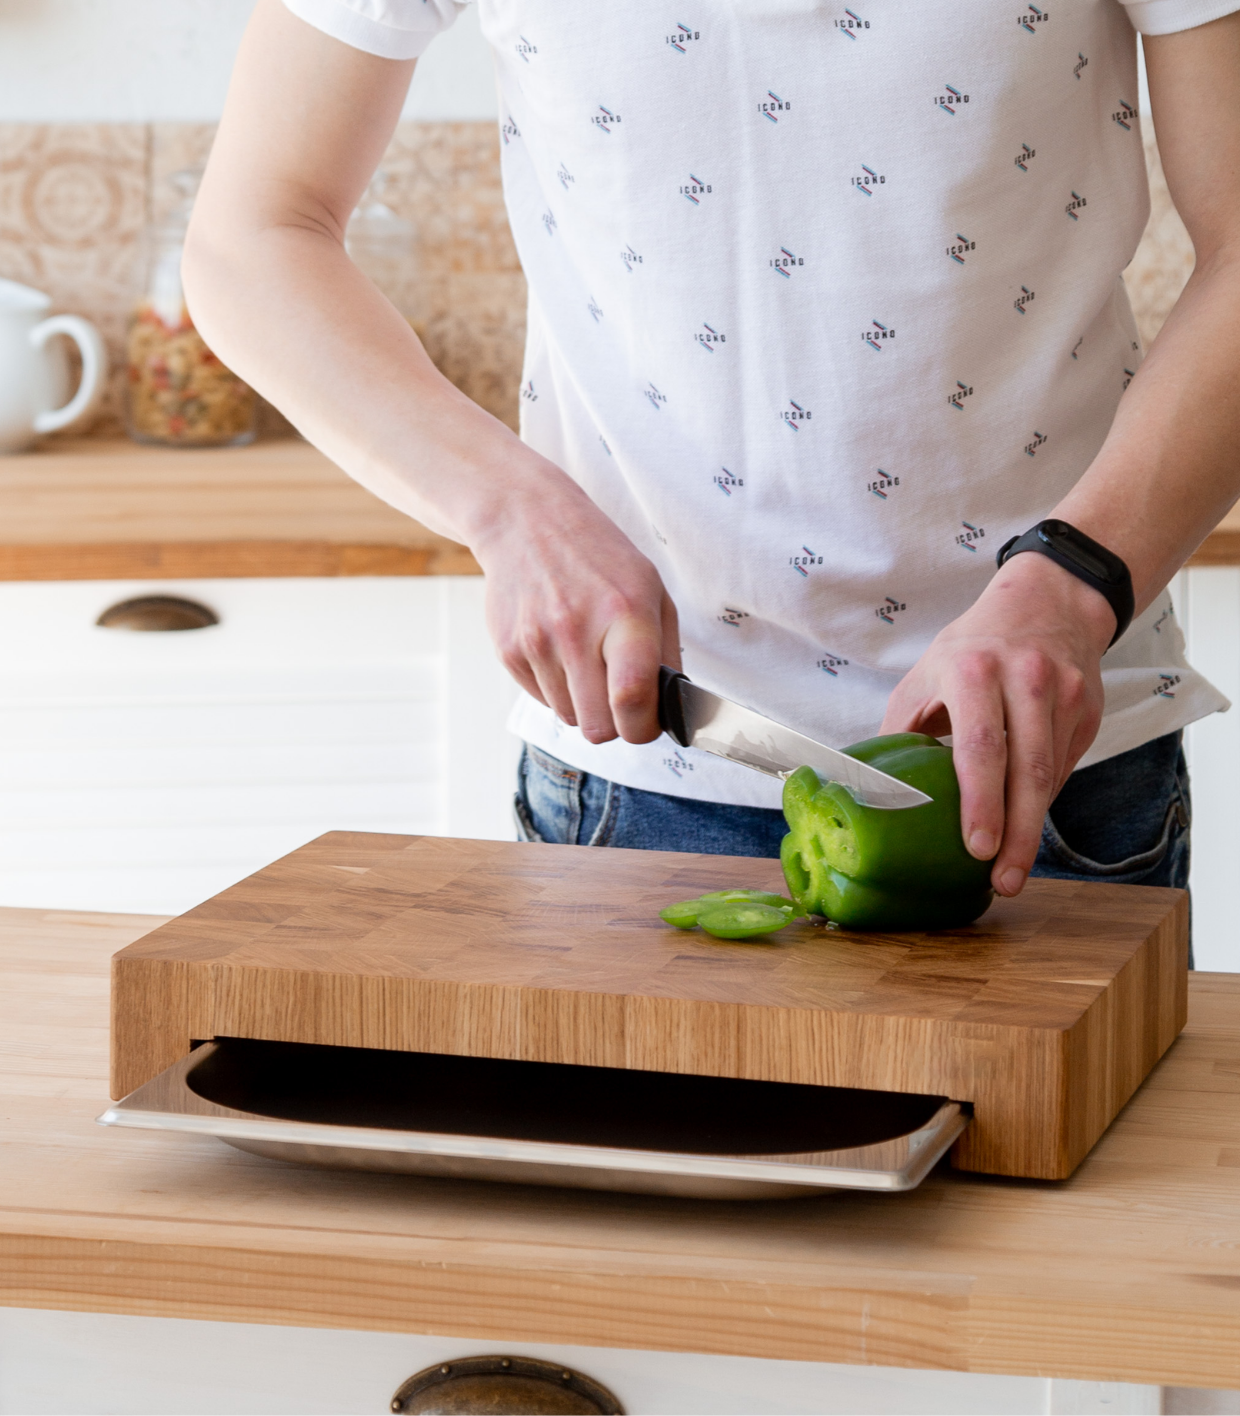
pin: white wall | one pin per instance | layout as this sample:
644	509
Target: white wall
138	61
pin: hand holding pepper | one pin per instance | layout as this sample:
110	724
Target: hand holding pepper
1017	682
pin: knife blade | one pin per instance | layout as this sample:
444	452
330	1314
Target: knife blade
695	717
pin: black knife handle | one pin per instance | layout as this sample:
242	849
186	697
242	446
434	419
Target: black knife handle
671	710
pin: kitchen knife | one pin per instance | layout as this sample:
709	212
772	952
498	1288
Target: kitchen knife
694	717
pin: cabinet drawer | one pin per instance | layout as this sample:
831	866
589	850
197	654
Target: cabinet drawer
147	771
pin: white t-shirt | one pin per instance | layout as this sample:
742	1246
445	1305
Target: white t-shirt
825	304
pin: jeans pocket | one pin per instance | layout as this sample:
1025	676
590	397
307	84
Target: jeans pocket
548	804
1057	857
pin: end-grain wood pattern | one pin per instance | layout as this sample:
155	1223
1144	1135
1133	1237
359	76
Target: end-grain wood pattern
1046	1015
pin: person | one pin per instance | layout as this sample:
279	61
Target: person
825	306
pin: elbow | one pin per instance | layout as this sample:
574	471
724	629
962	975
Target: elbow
209	268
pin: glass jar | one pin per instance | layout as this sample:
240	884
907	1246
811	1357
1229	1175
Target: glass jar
178	394
383	246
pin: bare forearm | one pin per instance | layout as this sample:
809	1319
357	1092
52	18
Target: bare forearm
287	309
274	293
1170	468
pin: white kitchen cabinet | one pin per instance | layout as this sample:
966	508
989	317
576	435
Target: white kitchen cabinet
1207	600
144	772
67	1362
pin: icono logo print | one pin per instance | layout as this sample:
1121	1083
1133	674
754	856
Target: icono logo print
1032	17
772	106
1129	375
1081	63
1038	440
868	180
951	100
549	222
1161	620
604	120
595	309
525	48
889	609
683	36
1022	300
960	247
508	131
708	337
1025	156
565	176
832	664
1075	205
784	263
527	392
882	485
631	259
1077	345
1125	115
607	450
732	618
970	534
695	190
656	398
876	334
658	535
962	392
725	481
794	415
850	24
1166	685
678	764
801	562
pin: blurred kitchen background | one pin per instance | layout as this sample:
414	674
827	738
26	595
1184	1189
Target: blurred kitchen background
144	771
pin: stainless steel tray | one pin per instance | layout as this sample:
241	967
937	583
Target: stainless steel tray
539	1123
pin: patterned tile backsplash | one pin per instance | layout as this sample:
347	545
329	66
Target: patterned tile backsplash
76	198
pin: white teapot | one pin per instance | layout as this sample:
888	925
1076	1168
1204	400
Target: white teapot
33	373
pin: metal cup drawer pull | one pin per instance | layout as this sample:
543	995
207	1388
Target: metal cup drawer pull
158	614
504	1386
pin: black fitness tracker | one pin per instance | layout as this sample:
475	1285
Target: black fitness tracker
1083	557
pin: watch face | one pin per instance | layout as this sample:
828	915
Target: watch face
1078	548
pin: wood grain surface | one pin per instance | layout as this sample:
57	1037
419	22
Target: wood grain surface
1129	1271
107	509
1045	1015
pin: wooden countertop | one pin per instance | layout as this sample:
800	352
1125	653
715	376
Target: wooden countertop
1130	1271
107	509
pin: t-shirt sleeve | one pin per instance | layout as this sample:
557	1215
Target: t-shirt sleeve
1170	16
392	29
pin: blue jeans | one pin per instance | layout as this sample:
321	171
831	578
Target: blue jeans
1125	820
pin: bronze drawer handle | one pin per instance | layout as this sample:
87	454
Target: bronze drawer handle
158	613
504	1386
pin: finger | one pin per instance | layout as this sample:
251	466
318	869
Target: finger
1033	765
974	702
632	652
587	682
553	689
1082	718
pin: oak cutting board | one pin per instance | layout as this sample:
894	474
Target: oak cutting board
1046	1014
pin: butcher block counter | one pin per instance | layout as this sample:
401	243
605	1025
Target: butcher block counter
1129	1271
107	509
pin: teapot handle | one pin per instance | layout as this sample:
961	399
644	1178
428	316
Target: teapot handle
94	370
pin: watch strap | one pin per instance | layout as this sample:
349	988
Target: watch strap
1083	557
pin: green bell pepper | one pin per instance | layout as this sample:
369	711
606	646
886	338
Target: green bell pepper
868	868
